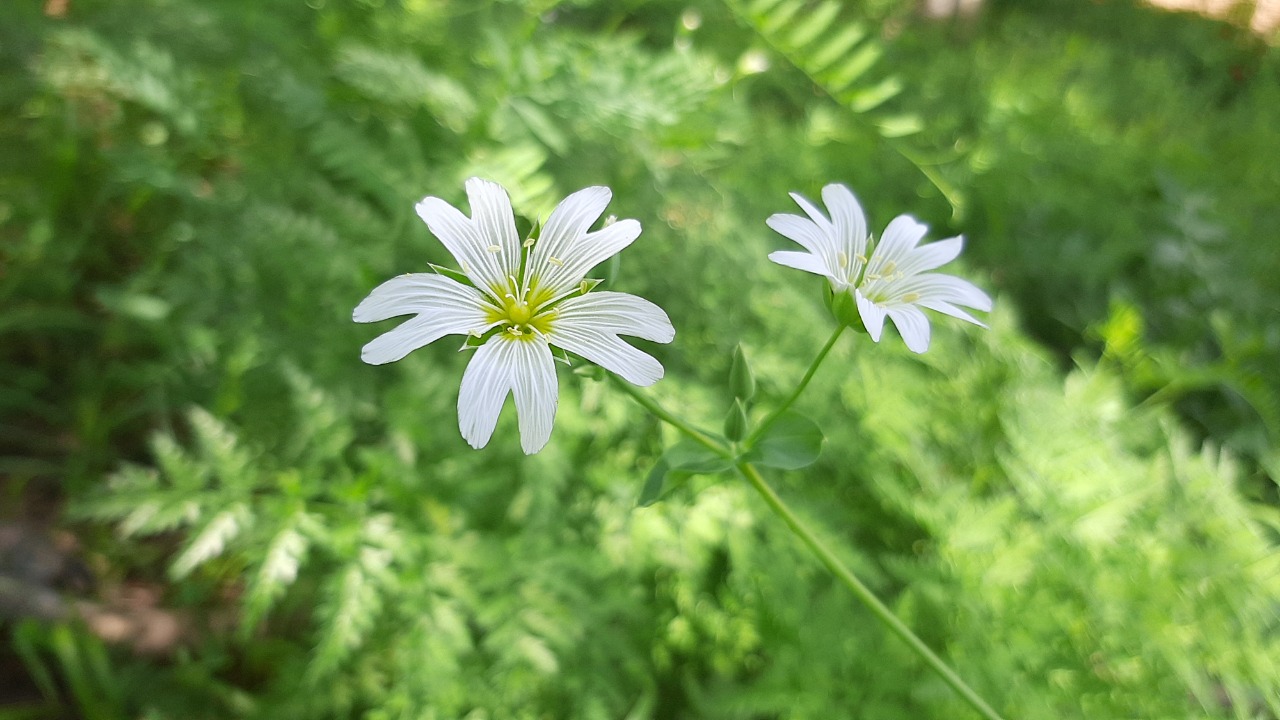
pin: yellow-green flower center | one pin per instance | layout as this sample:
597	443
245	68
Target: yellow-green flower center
522	315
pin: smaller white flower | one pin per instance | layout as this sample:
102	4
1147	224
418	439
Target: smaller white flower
888	278
519	300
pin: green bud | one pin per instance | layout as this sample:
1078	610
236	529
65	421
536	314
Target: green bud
844	308
735	423
741	380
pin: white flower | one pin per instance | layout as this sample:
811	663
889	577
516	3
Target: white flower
522	298
889	278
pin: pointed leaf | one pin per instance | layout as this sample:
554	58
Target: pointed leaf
681	460
792	442
654	484
695	459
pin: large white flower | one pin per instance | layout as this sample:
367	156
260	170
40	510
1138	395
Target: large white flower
885	279
521	299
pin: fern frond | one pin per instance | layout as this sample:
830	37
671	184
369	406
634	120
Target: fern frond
348	155
211	540
350	610
285	555
837	55
218	448
402	79
817	43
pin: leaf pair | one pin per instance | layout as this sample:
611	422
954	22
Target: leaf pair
791	442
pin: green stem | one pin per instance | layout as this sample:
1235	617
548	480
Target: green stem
864	594
664	415
804	382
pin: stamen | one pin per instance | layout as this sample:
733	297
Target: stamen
889	267
842	260
475	333
494	248
860	258
872	277
555	261
910	297
529	243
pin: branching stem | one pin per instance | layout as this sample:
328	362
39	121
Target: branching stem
816	546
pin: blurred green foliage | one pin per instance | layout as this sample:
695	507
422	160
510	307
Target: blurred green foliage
1077	507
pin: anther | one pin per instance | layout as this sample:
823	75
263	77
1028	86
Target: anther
529	243
555	261
842	260
494	248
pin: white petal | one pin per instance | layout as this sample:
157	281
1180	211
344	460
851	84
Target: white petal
804	233
609	352
413	334
533	385
912	325
616	313
469	241
849	221
803	261
485	385
900	237
819	219
947	308
566	227
589	251
444	307
492	215
931	256
872	315
938	287
416	293
501	366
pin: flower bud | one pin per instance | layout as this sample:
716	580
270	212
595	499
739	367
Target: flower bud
741	380
735	423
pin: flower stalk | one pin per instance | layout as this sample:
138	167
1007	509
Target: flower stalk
795	394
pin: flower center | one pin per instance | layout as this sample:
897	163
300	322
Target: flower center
520	314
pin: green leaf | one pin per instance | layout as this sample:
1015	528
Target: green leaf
690	457
681	460
654	483
792	442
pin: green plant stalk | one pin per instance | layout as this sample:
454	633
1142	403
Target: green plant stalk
795	394
666	416
863	593
823	553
